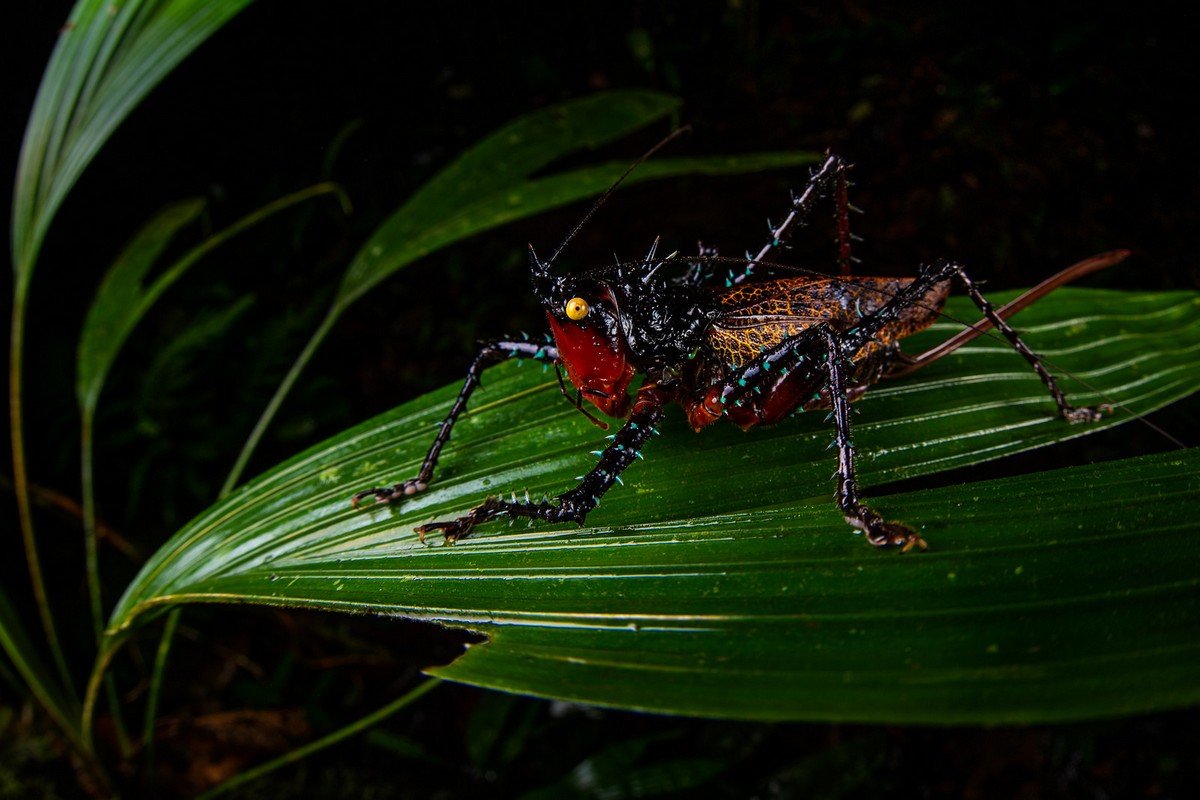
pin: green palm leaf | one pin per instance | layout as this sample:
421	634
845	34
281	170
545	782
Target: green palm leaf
108	57
492	183
721	580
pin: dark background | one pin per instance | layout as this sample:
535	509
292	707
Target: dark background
1013	138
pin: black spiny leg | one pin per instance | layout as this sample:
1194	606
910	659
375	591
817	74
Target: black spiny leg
814	351
1069	412
831	173
575	504
842	346
497	350
879	531
912	296
699	267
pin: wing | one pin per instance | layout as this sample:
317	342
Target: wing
756	317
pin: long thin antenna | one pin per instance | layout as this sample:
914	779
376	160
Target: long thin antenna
675	134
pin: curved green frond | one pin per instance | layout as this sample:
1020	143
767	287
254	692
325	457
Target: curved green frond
108	58
491	184
720	580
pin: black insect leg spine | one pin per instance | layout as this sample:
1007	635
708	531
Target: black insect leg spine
489	352
575	504
929	276
815	350
878	532
626	447
832	171
774	365
1068	411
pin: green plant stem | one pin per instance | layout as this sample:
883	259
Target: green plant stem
325	741
21	488
120	730
49	696
90	547
276	401
108	648
91	565
152	696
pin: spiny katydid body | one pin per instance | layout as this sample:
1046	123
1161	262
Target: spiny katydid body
750	351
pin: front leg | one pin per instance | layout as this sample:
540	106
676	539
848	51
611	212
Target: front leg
497	350
574	504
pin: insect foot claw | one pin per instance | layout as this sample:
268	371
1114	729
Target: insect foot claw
893	534
451	531
913	540
1087	413
882	533
384	494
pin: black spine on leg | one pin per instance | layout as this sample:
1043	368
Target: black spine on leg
929	277
839	411
878	531
489	352
1068	411
832	171
574	504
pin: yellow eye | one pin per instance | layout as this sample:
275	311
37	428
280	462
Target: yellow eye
577	308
